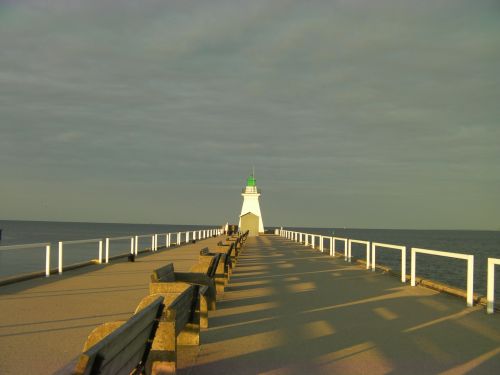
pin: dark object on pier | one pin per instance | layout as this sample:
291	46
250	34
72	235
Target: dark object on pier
193	241
232	229
0	235
131	258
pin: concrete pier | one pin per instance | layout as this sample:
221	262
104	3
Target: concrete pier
44	322
288	309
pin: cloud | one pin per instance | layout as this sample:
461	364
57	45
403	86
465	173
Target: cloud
330	100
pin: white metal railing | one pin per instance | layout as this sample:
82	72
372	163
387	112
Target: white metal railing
367	245
138	237
134	245
32	246
301	237
61	247
490	288
396	247
467	257
108	244
332	245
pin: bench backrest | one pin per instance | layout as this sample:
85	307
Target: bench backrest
212	268
165	274
124	349
182	309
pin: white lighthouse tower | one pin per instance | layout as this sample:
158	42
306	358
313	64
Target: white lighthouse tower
250	210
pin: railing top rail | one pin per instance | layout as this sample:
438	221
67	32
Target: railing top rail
339	238
494	261
397	247
448	254
81	241
121	238
24	246
144	235
359	241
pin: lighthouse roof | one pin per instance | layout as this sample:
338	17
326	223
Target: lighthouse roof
251	181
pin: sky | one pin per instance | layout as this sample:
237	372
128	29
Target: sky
359	114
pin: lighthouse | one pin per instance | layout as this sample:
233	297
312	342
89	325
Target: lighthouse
250	217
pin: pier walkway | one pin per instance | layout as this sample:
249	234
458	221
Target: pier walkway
287	310
44	322
290	309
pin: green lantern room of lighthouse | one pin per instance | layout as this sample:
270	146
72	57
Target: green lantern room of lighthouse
251	181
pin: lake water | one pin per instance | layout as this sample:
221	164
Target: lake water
482	244
14	262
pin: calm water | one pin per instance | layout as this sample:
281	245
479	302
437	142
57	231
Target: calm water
13	262
481	244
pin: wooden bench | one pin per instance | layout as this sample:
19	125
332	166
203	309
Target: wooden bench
121	347
230	260
179	324
215	264
166	280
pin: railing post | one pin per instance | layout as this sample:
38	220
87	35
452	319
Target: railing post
194	235
490	287
470	280
187	237
306	242
132	245
321	243
60	262
47	260
367	255
152	243
413	262
179	238
403	265
332	252
100	252
107	250
136	247
373	256
349	250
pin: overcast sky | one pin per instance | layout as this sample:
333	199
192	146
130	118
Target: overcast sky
355	113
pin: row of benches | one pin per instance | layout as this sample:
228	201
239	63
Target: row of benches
172	314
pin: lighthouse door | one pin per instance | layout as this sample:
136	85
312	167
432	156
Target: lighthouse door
250	222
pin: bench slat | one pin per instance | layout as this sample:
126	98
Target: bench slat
165	273
182	306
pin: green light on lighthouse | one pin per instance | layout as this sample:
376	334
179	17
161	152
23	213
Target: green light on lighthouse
251	181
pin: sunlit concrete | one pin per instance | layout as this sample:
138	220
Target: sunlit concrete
327	316
44	322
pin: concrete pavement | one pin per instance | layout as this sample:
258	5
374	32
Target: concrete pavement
290	309
287	310
44	322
